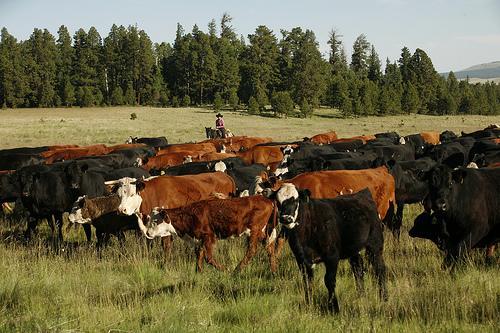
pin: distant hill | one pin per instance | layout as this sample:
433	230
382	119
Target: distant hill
487	71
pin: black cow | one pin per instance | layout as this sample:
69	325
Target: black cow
23	150
409	189
156	142
392	136
347	146
327	230
244	177
427	226
17	161
466	201
447	136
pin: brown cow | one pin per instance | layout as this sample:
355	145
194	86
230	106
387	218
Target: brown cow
430	137
329	184
271	156
168	160
206	221
213	156
238	143
73	153
324	138
126	146
196	148
364	138
141	196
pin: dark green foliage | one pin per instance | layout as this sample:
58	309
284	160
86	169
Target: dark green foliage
219	67
218	102
306	109
175	102
233	100
186	101
282	103
253	106
117	96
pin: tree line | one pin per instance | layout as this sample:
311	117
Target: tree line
217	67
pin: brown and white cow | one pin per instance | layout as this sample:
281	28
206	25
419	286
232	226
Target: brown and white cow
206	221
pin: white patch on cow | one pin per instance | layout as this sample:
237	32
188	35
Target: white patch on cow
76	217
130	200
472	165
272	236
280	171
256	188
290	225
402	141
130	140
220	166
157	227
187	159
244	193
313	265
246	232
379	216
138	162
222	149
287	191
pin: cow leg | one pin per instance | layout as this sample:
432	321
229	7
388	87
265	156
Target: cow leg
377	261
307	277
270	249
200	254
88	232
31	228
398	220
208	244
330	282
167	245
251	250
490	254
357	268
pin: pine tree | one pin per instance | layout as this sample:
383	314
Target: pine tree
65	53
129	97
359	58
13	80
410	100
374	66
233	99
282	103
117	96
336	58
425	78
253	106
404	65
227	53
259	65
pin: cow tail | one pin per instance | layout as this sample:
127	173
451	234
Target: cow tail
389	219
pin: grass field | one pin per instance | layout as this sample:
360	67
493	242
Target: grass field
134	288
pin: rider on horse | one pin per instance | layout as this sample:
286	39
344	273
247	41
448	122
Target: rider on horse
219	125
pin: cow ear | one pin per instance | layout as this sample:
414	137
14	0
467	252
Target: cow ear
458	175
269	193
84	167
305	194
139	186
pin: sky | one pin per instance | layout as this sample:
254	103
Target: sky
455	34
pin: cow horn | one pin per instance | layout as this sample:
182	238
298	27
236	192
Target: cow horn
111	182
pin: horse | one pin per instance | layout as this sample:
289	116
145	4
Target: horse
213	133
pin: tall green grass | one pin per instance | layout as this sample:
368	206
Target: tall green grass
134	287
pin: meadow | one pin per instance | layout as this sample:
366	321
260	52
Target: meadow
136	288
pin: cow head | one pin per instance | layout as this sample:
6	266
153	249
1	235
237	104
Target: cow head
128	190
442	180
74	173
288	198
220	166
79	213
430	226
160	224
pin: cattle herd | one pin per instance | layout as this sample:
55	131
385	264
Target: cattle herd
329	197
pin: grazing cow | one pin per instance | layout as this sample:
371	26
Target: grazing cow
101	213
328	230
432	138
207	157
447	136
323	138
167	160
141	196
392	136
245	176
238	143
271	156
16	161
208	220
193	148
73	153
347	146
158	142
467	203
330	184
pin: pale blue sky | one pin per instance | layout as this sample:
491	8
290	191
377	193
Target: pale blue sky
455	33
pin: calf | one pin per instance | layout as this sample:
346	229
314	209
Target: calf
206	221
327	230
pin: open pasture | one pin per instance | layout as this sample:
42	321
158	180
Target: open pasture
135	288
